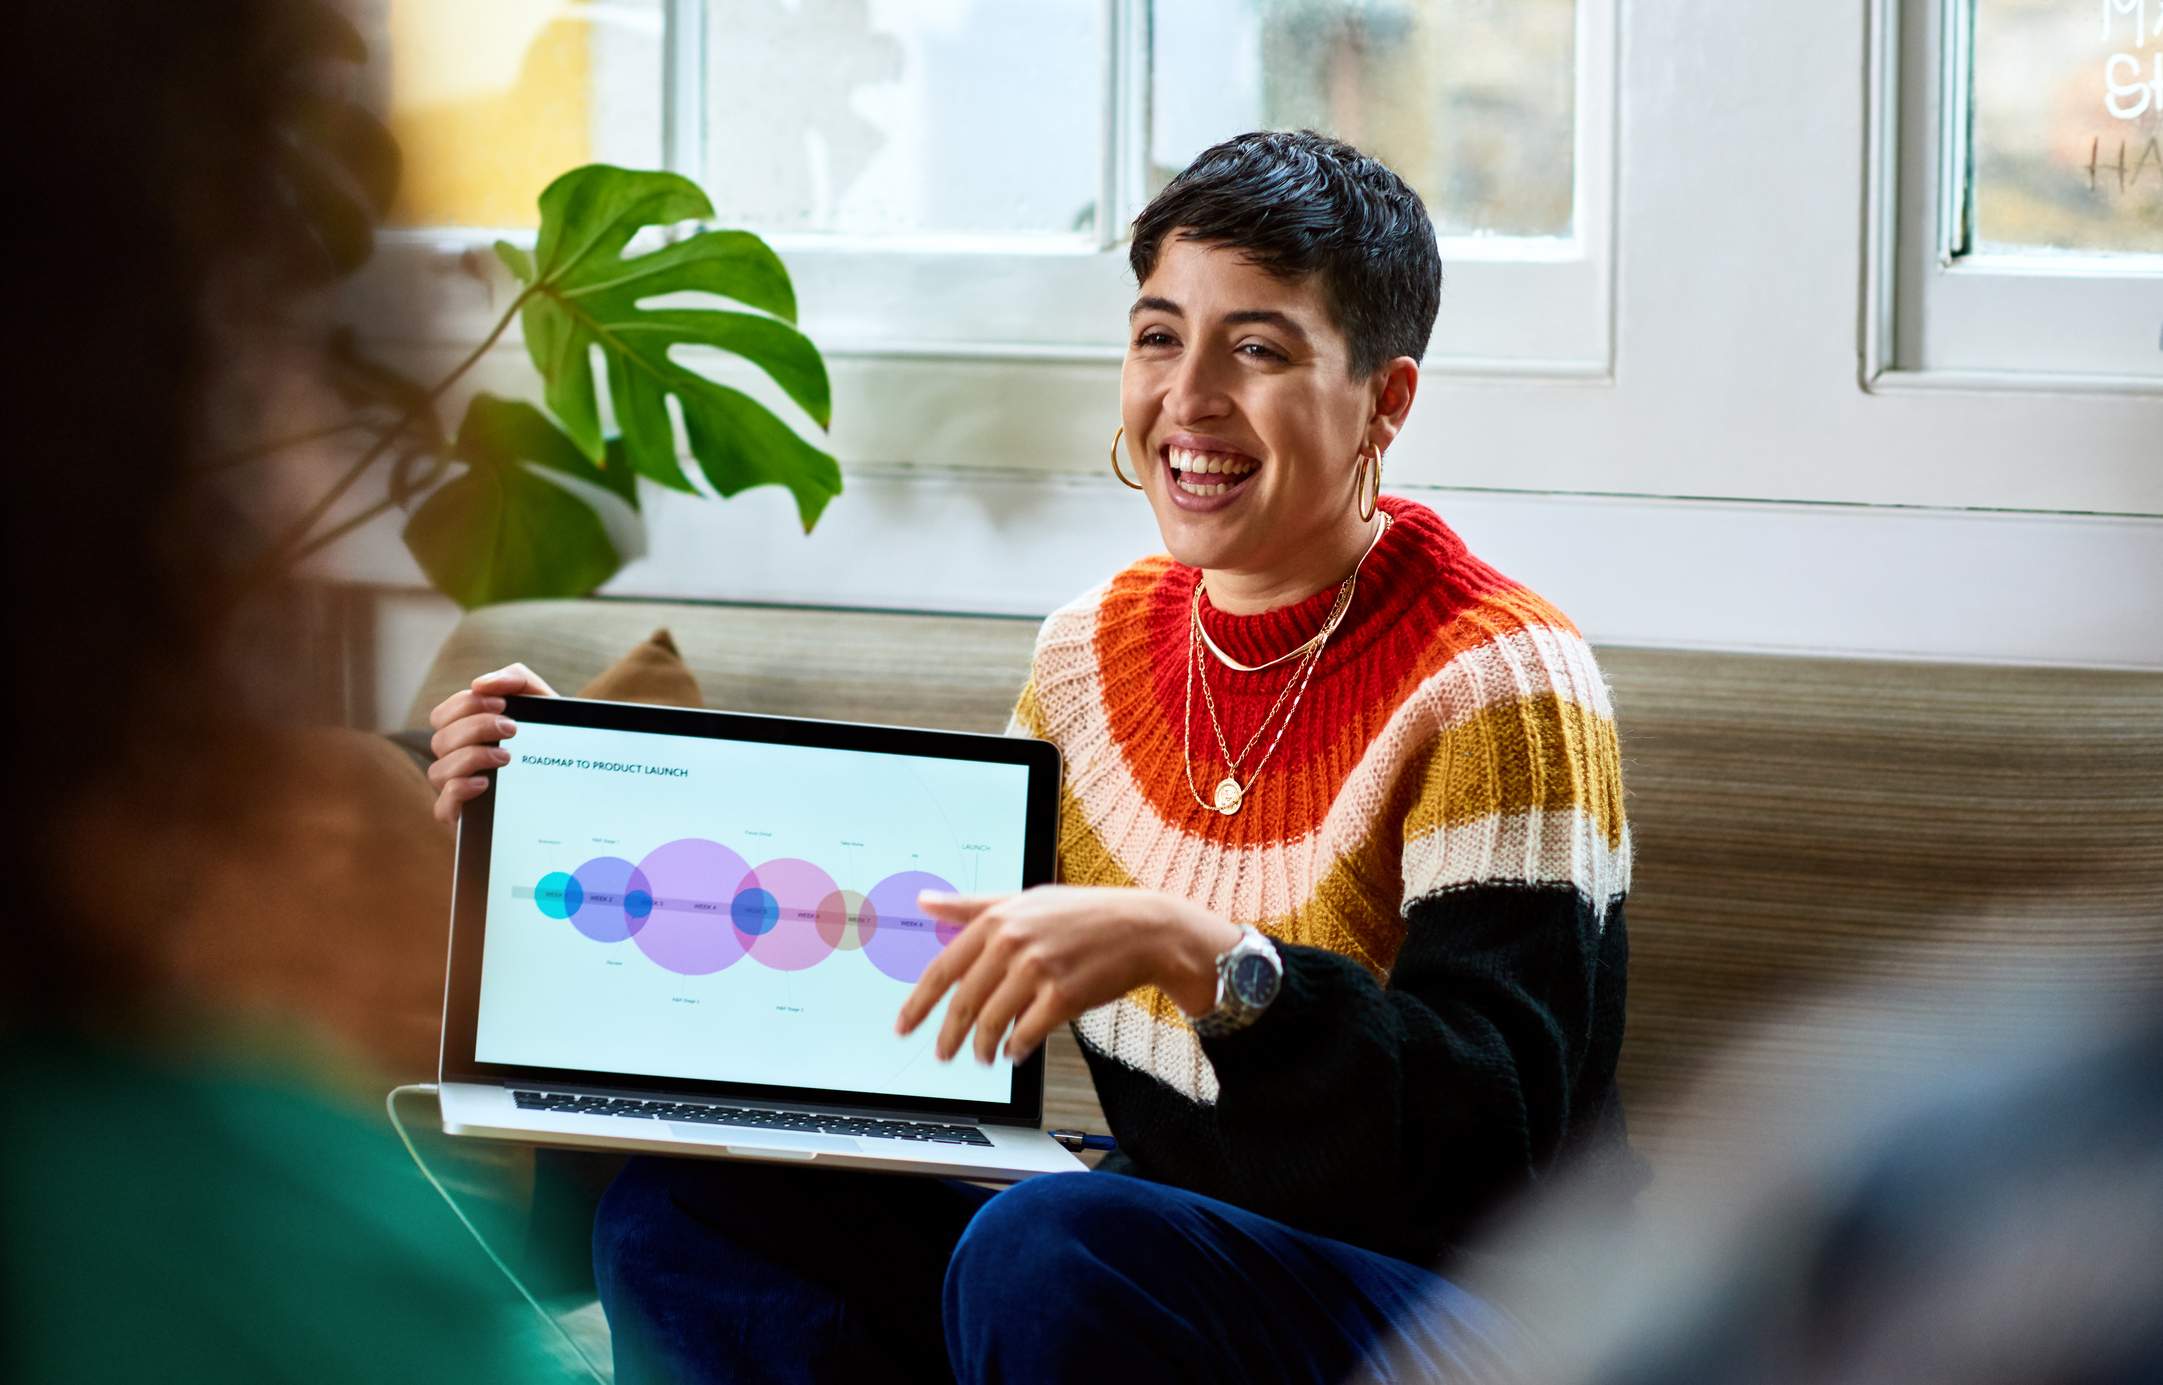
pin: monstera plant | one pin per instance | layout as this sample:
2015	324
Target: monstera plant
486	521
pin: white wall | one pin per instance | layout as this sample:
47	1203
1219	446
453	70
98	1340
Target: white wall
1731	485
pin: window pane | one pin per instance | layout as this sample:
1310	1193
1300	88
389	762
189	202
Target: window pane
2068	120
491	99
1472	101
906	116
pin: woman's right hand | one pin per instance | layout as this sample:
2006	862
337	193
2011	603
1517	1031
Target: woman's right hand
468	724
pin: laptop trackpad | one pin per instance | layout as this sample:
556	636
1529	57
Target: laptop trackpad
738	1137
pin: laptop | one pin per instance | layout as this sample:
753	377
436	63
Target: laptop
689	932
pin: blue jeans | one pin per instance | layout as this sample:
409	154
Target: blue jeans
745	1272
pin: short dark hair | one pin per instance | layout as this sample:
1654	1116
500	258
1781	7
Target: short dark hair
1297	203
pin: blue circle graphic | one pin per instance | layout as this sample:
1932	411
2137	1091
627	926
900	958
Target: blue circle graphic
559	894
755	912
637	904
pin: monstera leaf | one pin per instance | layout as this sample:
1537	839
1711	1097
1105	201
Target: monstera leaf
337	165
499	531
582	294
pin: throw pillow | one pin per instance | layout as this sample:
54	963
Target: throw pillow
654	672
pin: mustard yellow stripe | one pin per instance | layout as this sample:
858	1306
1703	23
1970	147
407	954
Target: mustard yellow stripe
1540	752
1083	857
1029	712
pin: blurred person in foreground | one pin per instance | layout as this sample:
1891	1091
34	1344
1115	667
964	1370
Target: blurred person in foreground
1989	1214
197	1181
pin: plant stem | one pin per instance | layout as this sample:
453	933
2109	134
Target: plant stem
281	552
332	535
502	325
293	544
261	450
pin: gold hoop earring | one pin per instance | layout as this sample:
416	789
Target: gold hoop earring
1369	499
1116	470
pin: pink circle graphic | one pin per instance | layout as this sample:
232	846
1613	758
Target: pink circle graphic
906	938
688	930
793	940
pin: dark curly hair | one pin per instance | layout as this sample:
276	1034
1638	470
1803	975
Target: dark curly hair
1297	203
133	256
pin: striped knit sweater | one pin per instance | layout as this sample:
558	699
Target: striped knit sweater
1438	847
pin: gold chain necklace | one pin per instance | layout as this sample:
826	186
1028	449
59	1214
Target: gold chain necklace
1336	615
1210	701
1230	793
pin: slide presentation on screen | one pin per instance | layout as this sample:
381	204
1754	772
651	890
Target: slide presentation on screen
730	911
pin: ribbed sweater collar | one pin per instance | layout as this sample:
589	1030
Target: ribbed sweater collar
1404	568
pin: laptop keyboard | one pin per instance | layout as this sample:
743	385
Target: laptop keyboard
756	1118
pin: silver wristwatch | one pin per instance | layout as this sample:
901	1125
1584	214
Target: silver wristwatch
1249	975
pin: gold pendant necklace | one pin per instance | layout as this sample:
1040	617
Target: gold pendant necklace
1230	793
1228	796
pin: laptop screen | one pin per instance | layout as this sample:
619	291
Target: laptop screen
733	911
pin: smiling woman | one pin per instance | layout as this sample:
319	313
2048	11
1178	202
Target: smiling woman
1342	935
1281	351
1250	428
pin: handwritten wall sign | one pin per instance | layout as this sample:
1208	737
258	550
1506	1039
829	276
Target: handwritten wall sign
2124	169
2132	88
2133	78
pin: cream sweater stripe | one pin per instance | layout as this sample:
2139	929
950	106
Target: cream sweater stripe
1270	880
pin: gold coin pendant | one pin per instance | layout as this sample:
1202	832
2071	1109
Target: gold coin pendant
1228	796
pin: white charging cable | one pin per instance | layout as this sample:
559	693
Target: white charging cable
390	1105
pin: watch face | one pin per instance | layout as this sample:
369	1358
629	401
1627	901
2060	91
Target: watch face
1254	980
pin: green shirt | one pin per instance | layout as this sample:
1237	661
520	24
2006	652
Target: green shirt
226	1220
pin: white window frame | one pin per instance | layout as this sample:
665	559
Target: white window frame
1936	318
2014	525
1525	307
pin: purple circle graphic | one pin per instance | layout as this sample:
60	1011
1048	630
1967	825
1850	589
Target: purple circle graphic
689	886
906	939
607	911
793	940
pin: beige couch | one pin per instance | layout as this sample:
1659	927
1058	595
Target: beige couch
1802	827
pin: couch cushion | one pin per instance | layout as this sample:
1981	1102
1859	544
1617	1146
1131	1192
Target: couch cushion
957	673
1801	825
1865	850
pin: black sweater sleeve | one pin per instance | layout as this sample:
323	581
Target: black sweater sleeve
1396	1115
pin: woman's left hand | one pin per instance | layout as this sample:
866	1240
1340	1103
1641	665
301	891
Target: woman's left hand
1040	958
